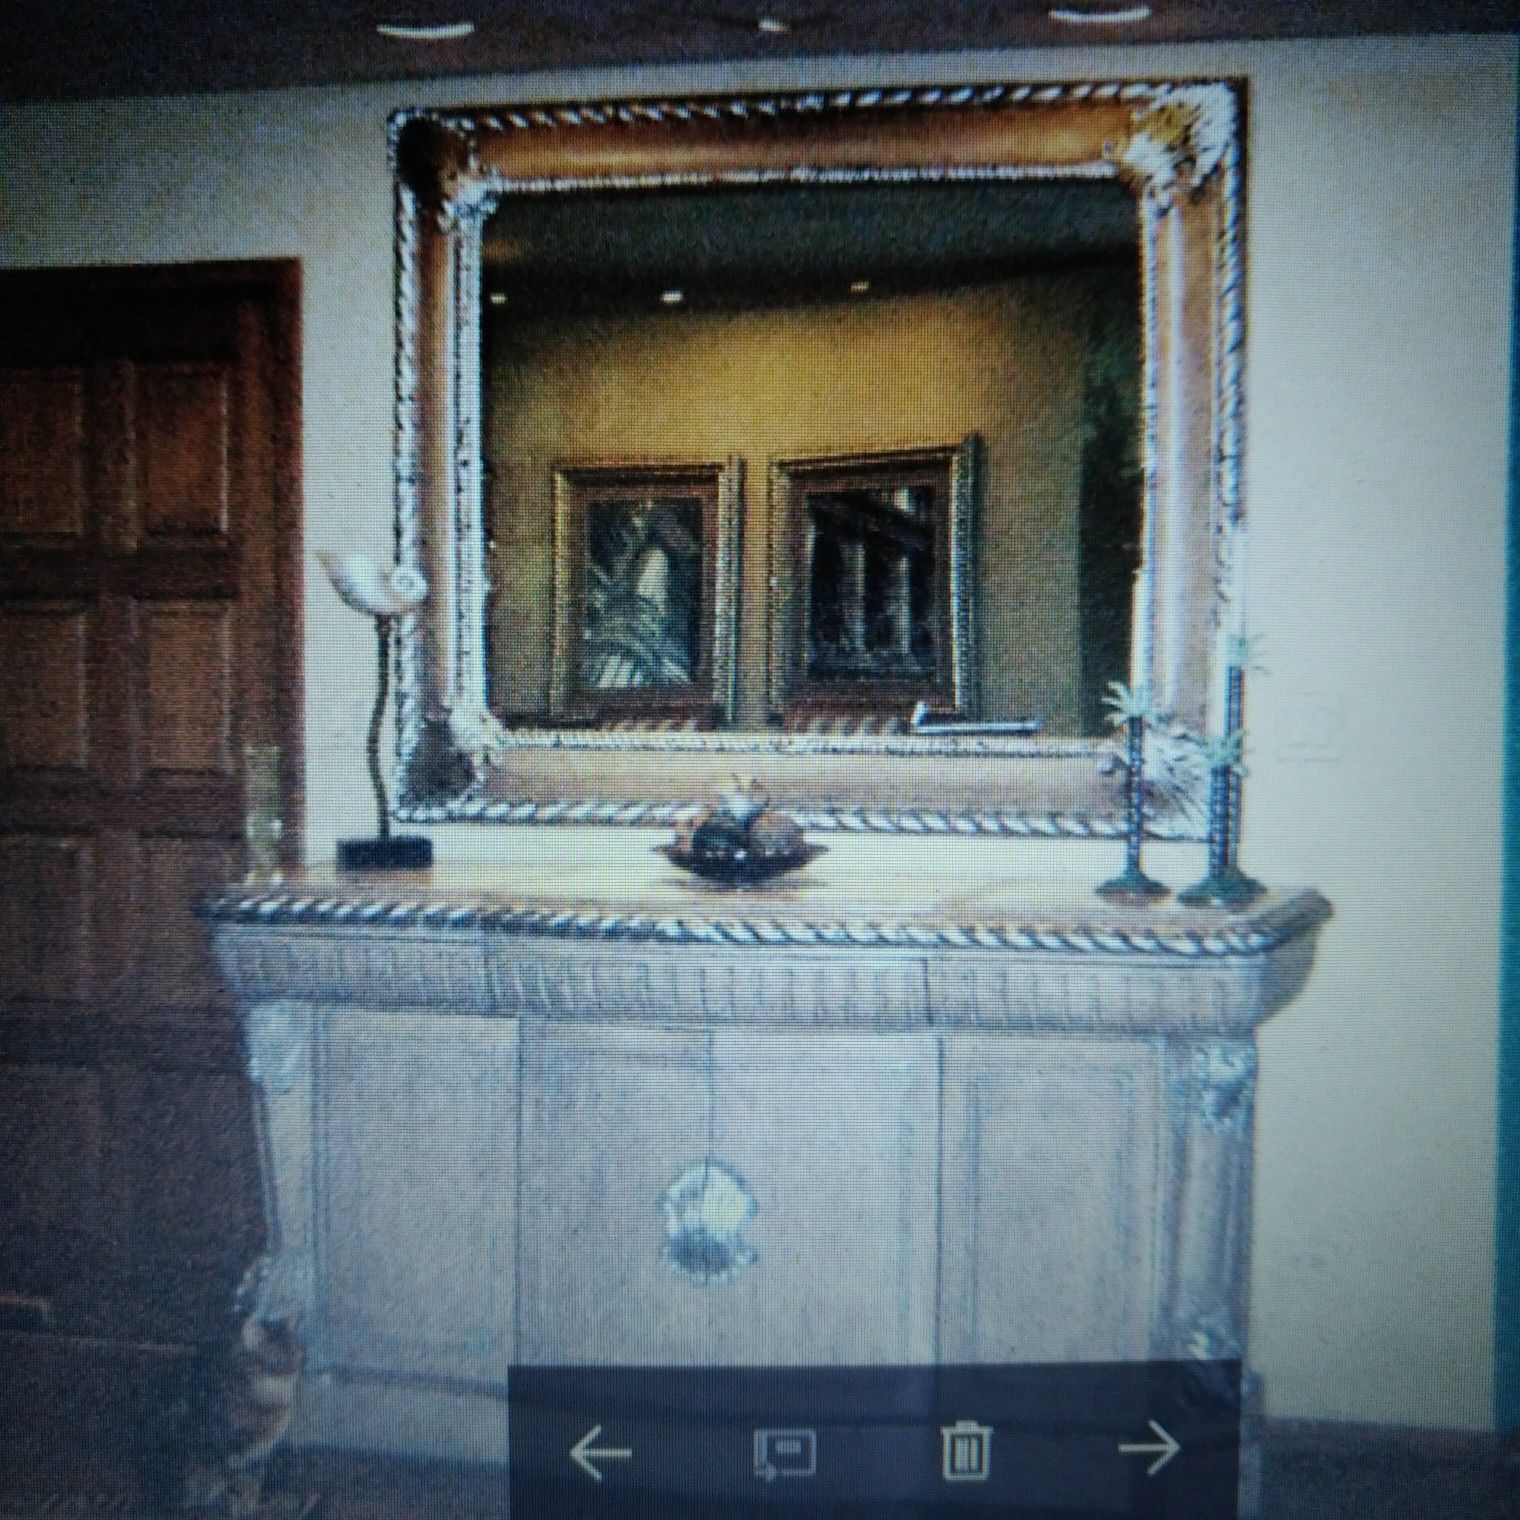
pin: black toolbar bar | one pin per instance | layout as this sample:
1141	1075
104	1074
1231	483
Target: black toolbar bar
1152	1441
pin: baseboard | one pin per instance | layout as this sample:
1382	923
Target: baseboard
86	1384
1350	1440
394	1416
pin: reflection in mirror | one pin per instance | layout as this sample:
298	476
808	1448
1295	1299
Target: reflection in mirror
867	581
856	323
642	584
641	618
872	614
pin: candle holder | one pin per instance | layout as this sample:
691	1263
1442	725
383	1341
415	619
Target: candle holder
1225	885
1130	708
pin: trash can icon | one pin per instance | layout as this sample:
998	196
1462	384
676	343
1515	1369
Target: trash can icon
967	1455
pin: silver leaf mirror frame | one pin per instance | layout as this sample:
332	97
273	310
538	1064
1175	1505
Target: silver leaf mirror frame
1177	146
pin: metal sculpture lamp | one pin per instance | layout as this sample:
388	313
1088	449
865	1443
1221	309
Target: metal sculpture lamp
384	595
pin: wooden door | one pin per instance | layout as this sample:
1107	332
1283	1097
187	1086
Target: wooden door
149	629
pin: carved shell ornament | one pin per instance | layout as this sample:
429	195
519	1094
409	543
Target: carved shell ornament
706	1209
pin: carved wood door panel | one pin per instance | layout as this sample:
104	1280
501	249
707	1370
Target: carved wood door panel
1052	1205
148	543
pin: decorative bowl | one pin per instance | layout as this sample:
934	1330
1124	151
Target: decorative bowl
744	868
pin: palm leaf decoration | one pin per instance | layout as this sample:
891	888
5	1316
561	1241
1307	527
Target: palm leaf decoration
1175	776
1244	652
1224	752
1127	703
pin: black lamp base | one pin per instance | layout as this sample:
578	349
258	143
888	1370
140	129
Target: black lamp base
402	852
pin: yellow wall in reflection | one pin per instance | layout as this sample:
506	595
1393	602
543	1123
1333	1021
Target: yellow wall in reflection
1001	360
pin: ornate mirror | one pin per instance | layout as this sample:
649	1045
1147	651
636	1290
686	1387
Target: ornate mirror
859	440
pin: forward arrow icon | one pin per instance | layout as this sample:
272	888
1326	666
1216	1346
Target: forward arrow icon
1163	1450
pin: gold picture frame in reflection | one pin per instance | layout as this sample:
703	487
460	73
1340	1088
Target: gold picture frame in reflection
644	593
873	597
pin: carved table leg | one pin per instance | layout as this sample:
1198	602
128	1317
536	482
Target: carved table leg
278	1036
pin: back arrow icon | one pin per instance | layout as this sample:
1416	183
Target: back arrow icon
1163	1451
583	1451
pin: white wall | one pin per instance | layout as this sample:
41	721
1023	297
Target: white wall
1381	204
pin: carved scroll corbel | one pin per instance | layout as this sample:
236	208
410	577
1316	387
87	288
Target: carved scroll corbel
1224	1085
277	1036
278	1283
434	157
1211	1089
1213	1335
1181	136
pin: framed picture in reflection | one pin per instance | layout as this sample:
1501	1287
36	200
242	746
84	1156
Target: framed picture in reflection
645	567
872	609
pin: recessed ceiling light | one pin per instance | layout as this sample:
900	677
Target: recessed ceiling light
497	298
442	31
672	297
1099	15
772	26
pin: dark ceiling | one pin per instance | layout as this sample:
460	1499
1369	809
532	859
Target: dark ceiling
742	246
50	50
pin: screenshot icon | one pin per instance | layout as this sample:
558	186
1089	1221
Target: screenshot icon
785	1454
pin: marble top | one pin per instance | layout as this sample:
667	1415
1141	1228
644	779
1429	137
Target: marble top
658	903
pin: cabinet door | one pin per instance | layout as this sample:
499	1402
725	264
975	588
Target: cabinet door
728	1198
610	1116
838	1136
416	1193
1053	1155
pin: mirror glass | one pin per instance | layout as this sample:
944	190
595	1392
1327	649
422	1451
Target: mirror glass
856	457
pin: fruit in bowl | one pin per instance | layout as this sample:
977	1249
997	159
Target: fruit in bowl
740	842
719	836
775	836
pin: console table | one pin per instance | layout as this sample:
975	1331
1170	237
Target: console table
617	1117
